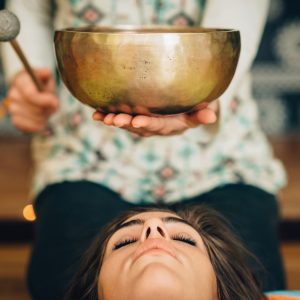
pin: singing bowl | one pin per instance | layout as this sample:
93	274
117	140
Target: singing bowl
146	70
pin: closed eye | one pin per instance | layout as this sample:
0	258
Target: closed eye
124	243
177	237
184	239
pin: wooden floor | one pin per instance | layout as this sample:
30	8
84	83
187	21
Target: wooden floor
13	262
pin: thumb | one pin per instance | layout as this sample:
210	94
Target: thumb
47	78
44	73
203	116
206	116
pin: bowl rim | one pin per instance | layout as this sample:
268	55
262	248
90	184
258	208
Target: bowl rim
144	30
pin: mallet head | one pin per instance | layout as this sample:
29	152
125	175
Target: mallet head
9	26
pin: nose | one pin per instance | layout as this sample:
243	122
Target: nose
154	228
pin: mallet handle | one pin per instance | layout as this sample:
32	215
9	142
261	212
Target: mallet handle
26	64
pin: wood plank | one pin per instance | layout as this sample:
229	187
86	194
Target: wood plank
15	169
288	150
291	257
13	263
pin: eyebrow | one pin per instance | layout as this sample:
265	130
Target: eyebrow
141	222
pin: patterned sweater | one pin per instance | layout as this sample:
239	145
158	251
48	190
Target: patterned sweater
158	168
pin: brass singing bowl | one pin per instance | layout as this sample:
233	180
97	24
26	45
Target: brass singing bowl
146	70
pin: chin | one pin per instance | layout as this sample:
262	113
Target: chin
158	282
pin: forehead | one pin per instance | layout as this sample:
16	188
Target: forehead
152	214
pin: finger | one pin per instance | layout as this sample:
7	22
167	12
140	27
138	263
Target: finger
44	73
28	90
98	116
23	81
139	131
44	100
141	110
160	125
49	85
112	109
29	111
124	108
19	104
14	95
121	120
205	116
32	113
27	125
141	121
47	78
165	125
108	119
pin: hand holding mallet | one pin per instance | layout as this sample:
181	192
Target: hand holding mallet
9	29
31	99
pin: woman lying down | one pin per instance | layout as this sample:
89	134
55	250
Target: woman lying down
155	253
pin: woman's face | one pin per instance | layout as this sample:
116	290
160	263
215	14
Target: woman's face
156	255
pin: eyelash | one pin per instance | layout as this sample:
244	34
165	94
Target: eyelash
184	239
124	243
178	237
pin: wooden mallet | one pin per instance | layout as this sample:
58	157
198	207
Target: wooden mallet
9	29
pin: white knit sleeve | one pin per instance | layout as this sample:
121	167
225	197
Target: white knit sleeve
35	37
249	18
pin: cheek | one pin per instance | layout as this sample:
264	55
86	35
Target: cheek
110	270
206	275
107	278
112	274
200	273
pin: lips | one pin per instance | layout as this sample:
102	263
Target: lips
154	244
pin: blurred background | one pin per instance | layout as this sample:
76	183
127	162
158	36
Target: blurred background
277	91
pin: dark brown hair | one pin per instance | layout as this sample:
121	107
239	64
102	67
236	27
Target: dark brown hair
227	255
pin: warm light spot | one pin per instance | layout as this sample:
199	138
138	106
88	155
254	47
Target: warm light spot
28	213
